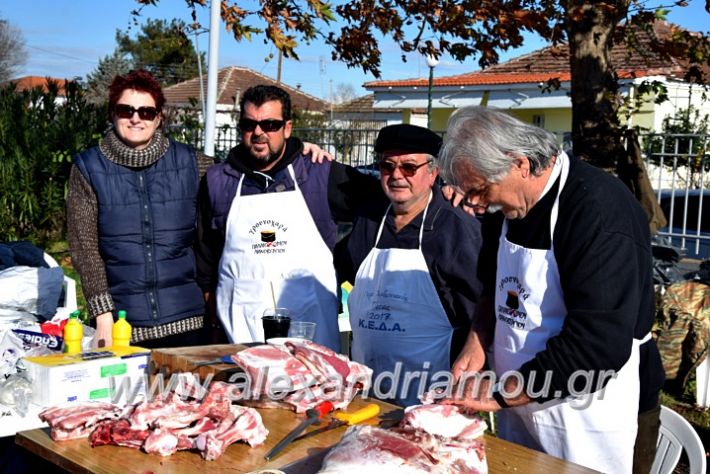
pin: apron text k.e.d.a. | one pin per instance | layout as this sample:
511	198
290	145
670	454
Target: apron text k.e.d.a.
399	325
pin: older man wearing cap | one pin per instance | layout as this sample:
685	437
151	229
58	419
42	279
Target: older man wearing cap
411	260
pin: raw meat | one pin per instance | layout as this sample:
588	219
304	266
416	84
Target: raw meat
273	367
430	439
457	425
164	424
77	421
377	451
243	424
300	375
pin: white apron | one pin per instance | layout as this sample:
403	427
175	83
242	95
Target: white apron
530	309
396	316
273	244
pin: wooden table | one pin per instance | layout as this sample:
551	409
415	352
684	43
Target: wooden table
301	457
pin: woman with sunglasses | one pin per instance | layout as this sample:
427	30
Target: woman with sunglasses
413	262
131	212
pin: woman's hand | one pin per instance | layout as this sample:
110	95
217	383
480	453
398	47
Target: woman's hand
104	331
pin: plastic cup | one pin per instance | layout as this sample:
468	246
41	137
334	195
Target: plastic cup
302	329
276	322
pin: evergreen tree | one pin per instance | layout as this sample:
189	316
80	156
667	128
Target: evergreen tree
99	80
162	48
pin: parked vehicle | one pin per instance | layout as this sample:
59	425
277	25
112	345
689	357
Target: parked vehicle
688	214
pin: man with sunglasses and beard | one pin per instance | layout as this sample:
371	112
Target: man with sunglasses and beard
268	225
413	262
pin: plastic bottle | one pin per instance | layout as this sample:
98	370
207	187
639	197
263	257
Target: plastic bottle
121	330
73	334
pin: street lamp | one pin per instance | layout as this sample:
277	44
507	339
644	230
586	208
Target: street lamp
431	61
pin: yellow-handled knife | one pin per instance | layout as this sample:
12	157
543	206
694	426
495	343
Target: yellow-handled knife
344	418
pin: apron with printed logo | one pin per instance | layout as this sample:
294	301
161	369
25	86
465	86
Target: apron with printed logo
597	430
273	252
400	329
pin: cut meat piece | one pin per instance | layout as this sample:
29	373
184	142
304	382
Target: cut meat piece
377	451
316	374
430	438
328	365
243	424
272	367
161	441
446	421
77	421
119	433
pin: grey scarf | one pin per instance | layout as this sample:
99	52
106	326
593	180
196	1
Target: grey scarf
115	150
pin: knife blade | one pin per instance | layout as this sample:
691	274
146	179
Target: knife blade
222	360
312	416
343	418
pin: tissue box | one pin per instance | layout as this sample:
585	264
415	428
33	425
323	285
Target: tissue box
114	374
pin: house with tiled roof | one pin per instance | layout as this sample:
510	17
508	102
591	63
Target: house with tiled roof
361	113
26	83
232	81
520	86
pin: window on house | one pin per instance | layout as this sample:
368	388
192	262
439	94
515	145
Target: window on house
538	121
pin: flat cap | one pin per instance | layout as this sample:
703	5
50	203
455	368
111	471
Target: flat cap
406	137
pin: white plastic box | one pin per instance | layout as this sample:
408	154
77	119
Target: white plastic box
99	375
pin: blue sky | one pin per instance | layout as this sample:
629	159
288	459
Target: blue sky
66	38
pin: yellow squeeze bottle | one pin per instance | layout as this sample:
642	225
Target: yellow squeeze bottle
121	330
73	334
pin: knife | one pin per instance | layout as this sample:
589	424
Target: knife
222	360
312	416
341	419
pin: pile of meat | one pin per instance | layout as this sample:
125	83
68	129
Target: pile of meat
179	420
430	438
299	375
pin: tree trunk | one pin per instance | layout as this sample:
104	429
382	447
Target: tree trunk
596	133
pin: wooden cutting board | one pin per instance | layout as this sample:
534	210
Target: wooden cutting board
184	359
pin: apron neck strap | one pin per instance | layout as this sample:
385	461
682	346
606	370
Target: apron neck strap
421	228
563	162
293	176
290	171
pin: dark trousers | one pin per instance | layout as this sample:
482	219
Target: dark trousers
646	439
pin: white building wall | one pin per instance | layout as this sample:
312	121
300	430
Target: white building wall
680	96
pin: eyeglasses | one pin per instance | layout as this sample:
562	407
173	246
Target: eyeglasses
408	169
268	125
126	111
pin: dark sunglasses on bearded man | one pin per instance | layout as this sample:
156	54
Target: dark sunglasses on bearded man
268	125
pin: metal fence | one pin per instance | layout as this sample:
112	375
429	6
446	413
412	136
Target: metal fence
351	146
678	166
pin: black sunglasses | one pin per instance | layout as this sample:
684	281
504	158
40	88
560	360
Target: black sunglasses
268	125
408	169
126	111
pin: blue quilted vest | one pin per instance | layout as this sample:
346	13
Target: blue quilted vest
146	230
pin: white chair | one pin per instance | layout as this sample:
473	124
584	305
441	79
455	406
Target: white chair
675	435
68	305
